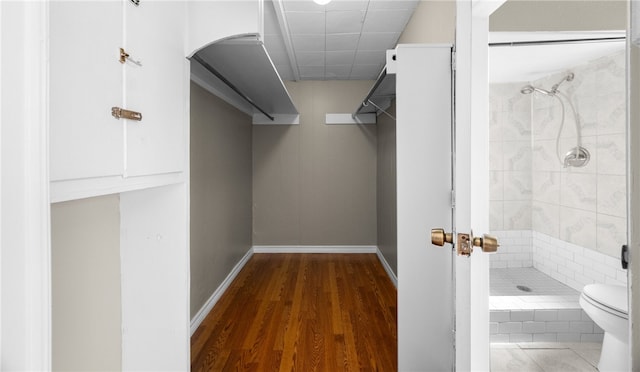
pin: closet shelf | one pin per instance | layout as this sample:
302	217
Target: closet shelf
380	96
240	71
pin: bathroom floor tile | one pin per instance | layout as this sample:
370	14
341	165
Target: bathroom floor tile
507	360
590	355
560	360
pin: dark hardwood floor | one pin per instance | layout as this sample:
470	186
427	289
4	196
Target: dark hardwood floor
302	312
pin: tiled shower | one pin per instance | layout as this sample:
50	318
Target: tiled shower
567	224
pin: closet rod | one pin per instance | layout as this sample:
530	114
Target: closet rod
564	41
366	99
229	84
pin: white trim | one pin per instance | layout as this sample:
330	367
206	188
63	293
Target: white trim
206	308
315	249
387	267
350	119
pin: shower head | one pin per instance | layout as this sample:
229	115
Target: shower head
569	77
528	89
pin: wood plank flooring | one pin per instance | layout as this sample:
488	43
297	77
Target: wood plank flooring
302	312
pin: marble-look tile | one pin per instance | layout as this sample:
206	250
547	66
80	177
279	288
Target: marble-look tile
611	113
565	360
587	111
611	234
578	190
545	122
545	218
516	126
592	356
517	185
496	215
517	155
496	185
578	227
610	73
546	187
517	215
495	125
612	195
544	156
512	359
496	156
516	101
612	154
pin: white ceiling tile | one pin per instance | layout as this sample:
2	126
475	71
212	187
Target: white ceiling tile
343	57
393	4
386	20
378	40
306	22
342	41
310	59
370	57
308	43
365	71
337	72
347	5
302	6
311	72
344	21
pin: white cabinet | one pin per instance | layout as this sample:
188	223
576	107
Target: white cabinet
93	153
85	82
156	35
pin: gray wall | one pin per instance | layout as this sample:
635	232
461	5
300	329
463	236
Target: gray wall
315	184
220	192
86	305
386	189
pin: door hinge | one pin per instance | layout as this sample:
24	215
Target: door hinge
120	113
453	61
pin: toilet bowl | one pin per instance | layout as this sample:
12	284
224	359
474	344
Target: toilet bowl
607	305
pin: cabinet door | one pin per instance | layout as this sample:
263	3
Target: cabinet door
158	88
85	82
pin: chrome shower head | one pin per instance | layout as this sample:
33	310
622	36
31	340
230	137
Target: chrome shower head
528	89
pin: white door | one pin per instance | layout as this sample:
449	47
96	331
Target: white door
443	298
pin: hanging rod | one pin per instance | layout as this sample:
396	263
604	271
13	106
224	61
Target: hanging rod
366	99
563	41
230	84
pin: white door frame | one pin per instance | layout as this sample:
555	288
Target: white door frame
471	180
25	252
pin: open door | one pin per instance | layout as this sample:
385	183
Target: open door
442	184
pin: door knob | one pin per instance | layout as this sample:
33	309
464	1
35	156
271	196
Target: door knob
439	237
466	242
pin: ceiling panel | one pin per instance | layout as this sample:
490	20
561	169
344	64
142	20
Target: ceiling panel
345	39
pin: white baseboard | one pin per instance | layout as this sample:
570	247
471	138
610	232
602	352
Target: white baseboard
206	308
315	249
387	268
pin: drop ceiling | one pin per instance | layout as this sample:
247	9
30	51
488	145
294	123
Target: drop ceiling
343	40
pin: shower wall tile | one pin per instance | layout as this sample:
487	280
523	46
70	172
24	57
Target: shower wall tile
612	234
517	186
546	187
517	155
517	215
544	156
496	156
495	125
610	71
496	215
611	150
578	227
578	191
612	195
545	218
612	113
587	110
496	185
545	122
516	125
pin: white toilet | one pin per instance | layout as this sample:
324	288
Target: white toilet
608	306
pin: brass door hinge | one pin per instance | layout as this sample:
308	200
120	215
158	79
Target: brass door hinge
120	113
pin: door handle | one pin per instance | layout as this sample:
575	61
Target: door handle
466	242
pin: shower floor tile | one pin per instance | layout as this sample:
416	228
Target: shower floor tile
505	282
